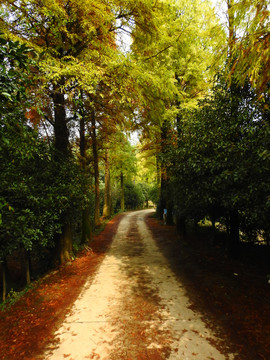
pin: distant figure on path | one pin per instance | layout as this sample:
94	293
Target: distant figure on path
165	216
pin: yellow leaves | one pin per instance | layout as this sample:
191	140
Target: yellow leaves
85	73
52	8
251	48
265	15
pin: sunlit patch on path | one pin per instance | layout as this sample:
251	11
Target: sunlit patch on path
135	308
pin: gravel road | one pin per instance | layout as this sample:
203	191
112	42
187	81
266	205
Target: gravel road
134	308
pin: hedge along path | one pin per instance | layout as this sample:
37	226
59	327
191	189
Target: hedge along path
135	308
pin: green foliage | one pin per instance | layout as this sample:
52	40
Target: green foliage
16	139
37	194
13	297
145	190
154	193
40	194
134	196
213	155
14	60
221	161
123	157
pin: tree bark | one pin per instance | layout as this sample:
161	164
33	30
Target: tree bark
181	225
122	192
107	190
163	173
178	116
165	201
231	26
180	220
213	227
96	168
86	233
158	171
4	279
60	126
234	239
86	227
27	268
65	241
82	141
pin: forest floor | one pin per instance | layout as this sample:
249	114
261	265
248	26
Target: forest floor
148	295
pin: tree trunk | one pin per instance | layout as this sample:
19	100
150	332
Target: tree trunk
158	171
86	232
107	190
27	268
86	227
267	238
181	225
213	228
231	27
4	279
165	201
178	116
122	192
169	213
60	126
169	202
96	168
162	198
163	174
234	239
65	241
82	141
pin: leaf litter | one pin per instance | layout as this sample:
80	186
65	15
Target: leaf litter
235	308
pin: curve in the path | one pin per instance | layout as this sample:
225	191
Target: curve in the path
135	308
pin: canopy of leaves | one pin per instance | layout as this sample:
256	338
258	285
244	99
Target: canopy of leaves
222	160
210	140
251	55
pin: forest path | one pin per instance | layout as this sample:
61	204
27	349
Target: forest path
135	308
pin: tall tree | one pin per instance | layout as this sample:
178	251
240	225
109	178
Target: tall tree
76	43
177	72
59	32
123	159
107	190
250	49
14	70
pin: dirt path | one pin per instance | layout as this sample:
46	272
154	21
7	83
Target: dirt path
135	308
